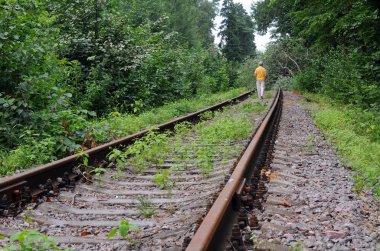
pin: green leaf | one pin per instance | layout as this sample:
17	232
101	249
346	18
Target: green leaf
112	233
123	230
19	236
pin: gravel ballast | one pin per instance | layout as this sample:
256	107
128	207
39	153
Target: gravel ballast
311	200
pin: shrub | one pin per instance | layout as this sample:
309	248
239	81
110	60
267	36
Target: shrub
284	82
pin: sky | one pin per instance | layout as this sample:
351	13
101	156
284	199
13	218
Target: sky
260	41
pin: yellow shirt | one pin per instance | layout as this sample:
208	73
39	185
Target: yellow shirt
260	73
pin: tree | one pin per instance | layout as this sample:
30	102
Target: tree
237	32
64	62
193	20
322	24
273	14
342	36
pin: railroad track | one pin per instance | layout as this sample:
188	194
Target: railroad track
17	190
167	206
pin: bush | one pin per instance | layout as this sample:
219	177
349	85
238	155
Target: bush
284	82
343	77
25	156
245	77
310	78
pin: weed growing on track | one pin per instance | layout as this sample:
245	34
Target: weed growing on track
215	137
309	144
256	241
145	207
206	115
31	240
124	230
151	149
117	159
89	172
256	107
27	217
97	172
226	127
162	179
84	166
205	158
180	150
298	246
356	135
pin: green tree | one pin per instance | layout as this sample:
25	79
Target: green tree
193	20
64	62
237	32
337	35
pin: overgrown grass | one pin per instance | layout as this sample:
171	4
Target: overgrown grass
26	155
119	125
216	129
115	125
356	134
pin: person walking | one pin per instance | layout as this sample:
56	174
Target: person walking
261	75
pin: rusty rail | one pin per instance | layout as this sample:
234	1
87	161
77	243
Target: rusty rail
217	225
13	188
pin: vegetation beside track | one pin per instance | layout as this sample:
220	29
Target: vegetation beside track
215	129
65	63
85	133
356	135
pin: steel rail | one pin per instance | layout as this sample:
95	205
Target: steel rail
218	222
13	186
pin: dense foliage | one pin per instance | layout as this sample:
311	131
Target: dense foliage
63	63
332	47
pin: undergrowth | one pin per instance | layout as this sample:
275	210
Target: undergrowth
86	133
196	145
356	135
123	124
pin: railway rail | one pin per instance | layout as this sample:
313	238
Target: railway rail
171	218
244	190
